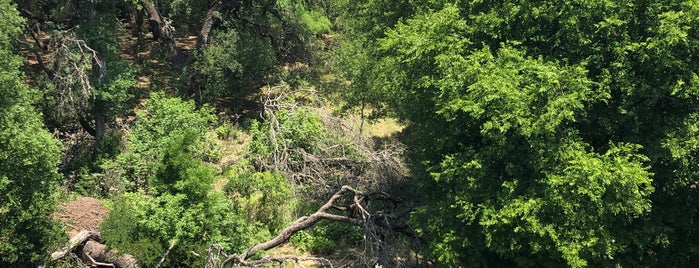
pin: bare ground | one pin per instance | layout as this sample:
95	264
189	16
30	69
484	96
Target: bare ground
82	213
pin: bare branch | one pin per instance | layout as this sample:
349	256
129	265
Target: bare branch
172	245
73	64
94	262
302	224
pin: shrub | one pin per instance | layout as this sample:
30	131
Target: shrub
261	197
145	226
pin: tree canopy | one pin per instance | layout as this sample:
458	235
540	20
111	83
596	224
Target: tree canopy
29	156
543	134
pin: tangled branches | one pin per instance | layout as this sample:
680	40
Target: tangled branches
74	64
331	210
311	147
322	153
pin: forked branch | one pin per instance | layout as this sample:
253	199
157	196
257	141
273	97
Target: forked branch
306	222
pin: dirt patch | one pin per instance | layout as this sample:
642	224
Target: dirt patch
82	213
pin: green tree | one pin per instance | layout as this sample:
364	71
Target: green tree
172	203
362	23
84	77
167	130
29	158
545	133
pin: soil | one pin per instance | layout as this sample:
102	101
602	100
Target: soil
82	213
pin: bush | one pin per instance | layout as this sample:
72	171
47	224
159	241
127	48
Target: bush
326	237
261	197
297	132
225	131
175	203
145	226
233	65
164	124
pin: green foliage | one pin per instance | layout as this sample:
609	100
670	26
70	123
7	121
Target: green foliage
226	131
265	198
543	134
299	130
362	23
169	132
166	153
233	65
29	157
312	18
111	144
83	87
316	22
146	226
326	238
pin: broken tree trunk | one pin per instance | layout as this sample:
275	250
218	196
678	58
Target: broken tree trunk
86	245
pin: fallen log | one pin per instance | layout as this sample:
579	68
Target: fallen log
86	245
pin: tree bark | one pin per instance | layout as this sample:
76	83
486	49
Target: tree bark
160	29
203	37
87	246
136	20
99	113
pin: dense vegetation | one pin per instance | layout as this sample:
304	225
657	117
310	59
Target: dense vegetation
534	133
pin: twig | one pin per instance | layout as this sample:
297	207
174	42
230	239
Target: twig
172	245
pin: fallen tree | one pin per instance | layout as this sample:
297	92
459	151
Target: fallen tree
306	222
353	212
330	156
86	248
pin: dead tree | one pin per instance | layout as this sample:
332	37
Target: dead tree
355	212
378	208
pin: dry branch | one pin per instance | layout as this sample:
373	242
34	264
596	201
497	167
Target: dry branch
338	157
74	242
302	224
172	245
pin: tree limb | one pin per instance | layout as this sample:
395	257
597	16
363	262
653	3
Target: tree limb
172	245
304	223
87	247
208	23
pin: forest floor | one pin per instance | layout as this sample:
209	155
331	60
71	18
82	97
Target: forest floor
81	213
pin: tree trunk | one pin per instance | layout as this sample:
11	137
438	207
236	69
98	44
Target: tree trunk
162	31
203	37
136	20
202	40
100	114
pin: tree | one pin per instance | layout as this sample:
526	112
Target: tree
545	134
86	81
29	158
172	206
362	24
